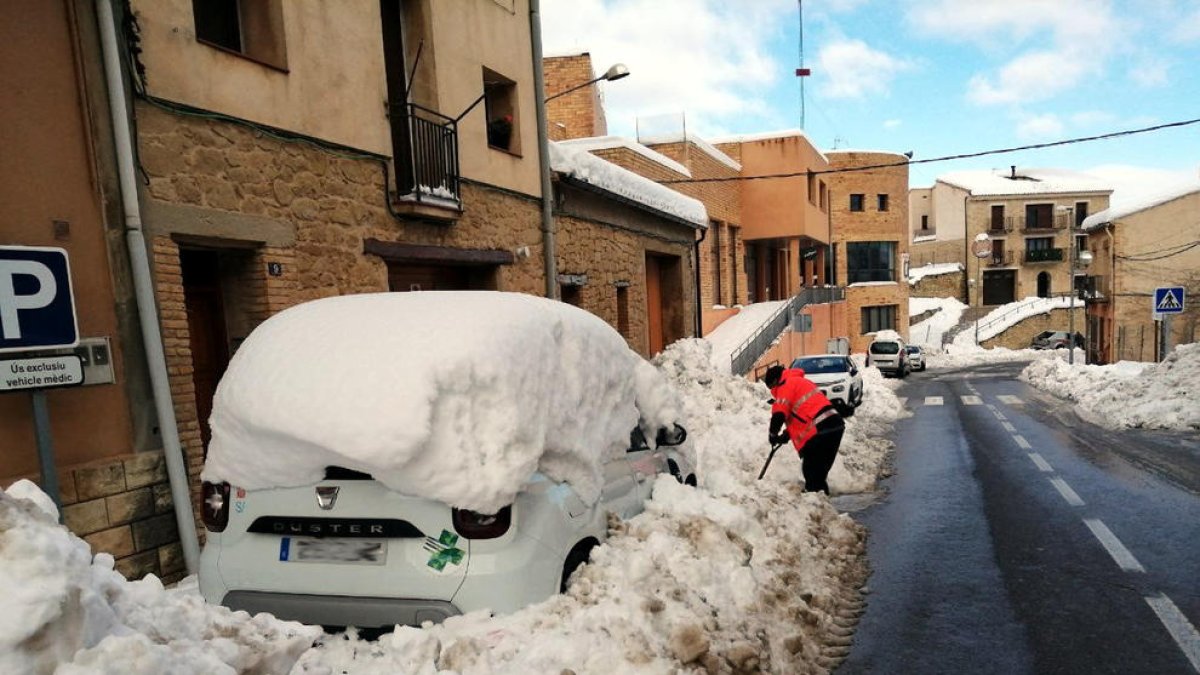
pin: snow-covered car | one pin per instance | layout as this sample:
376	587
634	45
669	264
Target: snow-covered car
1055	339
916	357
837	377
889	353
468	450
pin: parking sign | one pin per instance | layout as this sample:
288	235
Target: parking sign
37	303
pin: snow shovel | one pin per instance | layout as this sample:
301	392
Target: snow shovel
769	458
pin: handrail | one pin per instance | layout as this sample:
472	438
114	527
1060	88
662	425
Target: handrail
747	353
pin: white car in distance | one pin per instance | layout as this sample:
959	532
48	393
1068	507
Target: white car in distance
838	378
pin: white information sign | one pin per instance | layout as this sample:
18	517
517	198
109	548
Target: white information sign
41	372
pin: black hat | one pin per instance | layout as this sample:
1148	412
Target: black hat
773	376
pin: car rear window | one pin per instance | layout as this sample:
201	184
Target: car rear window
821	365
913	349
885	348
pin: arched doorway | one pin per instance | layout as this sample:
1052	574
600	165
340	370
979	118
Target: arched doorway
1043	281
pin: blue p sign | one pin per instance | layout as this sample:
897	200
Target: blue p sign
37	306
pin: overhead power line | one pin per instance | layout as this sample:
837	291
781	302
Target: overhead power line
945	158
1170	251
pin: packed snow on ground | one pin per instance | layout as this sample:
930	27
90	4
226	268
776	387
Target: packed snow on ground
71	613
1006	316
584	166
453	396
928	333
956	356
916	274
735	330
1128	394
739	575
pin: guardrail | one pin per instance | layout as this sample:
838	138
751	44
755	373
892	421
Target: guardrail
749	351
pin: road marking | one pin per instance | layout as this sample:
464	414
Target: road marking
999	415
1009	427
1041	462
972	400
1115	548
1067	493
1022	442
1010	399
1185	634
933	400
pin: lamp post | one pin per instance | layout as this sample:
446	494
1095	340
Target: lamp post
616	72
982	248
1072	263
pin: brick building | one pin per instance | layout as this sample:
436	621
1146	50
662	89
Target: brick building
280	166
580	113
870	239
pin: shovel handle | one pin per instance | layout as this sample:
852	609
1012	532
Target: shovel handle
769	458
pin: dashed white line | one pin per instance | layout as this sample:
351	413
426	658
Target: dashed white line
999	415
933	400
1115	548
1185	634
1022	442
1067	493
1009	427
1009	399
1041	462
972	400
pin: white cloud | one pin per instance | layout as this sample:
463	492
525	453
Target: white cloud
852	69
891	124
707	57
1040	126
1187	30
1035	76
1150	72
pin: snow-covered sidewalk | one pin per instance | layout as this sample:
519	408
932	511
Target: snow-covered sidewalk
737	329
1006	316
928	333
737	576
1128	394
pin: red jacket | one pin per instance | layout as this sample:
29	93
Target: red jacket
800	401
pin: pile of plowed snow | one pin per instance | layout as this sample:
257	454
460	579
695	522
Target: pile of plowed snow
1126	394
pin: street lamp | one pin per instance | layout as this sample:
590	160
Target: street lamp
616	72
1084	259
982	248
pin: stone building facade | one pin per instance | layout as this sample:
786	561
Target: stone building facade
871	239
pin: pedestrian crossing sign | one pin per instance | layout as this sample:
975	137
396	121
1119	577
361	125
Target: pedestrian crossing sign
1168	300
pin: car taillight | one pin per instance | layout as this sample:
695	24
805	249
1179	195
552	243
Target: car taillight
214	505
474	525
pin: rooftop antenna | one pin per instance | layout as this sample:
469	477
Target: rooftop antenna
801	72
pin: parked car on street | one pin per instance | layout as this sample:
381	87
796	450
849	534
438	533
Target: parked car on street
889	353
1055	339
916	357
838	378
350	549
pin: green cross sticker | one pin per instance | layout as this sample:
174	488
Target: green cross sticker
442	551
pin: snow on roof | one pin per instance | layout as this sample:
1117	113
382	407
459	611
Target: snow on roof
915	274
455	396
612	142
565	52
588	168
708	148
1028	182
1149	200
842	151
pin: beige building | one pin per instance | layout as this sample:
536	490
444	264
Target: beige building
291	151
871	240
1029	217
1137	248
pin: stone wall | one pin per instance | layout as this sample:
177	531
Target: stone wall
939	286
933	252
1020	335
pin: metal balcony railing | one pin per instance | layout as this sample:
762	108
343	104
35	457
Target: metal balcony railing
748	353
1000	259
1000	226
1041	255
431	171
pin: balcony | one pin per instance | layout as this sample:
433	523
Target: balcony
999	259
1000	226
1043	255
427	171
1042	224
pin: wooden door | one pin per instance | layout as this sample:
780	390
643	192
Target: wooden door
207	336
654	305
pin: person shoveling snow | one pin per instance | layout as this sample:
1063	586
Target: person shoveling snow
802	414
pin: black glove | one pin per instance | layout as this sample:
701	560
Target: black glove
780	438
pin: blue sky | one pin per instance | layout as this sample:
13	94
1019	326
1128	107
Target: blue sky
936	77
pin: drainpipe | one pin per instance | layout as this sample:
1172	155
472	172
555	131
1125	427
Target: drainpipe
539	93
699	321
144	290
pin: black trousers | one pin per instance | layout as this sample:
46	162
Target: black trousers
817	455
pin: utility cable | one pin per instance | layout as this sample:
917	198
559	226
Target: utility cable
945	158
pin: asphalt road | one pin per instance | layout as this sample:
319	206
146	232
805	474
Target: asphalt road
1016	538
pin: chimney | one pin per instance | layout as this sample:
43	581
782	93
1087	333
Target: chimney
1014	171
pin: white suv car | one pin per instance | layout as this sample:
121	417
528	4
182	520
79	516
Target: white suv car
838	378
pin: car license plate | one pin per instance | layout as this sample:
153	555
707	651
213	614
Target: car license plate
341	551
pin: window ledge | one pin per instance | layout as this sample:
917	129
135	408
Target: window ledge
506	151
242	55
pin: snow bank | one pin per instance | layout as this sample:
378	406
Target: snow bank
916	274
738	576
1128	394
928	333
588	168
956	356
735	330
68	612
454	396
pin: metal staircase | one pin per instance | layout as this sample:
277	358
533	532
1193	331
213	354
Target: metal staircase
753	347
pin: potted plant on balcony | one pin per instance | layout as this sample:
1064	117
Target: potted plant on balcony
499	132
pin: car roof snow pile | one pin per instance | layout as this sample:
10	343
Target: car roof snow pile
454	396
